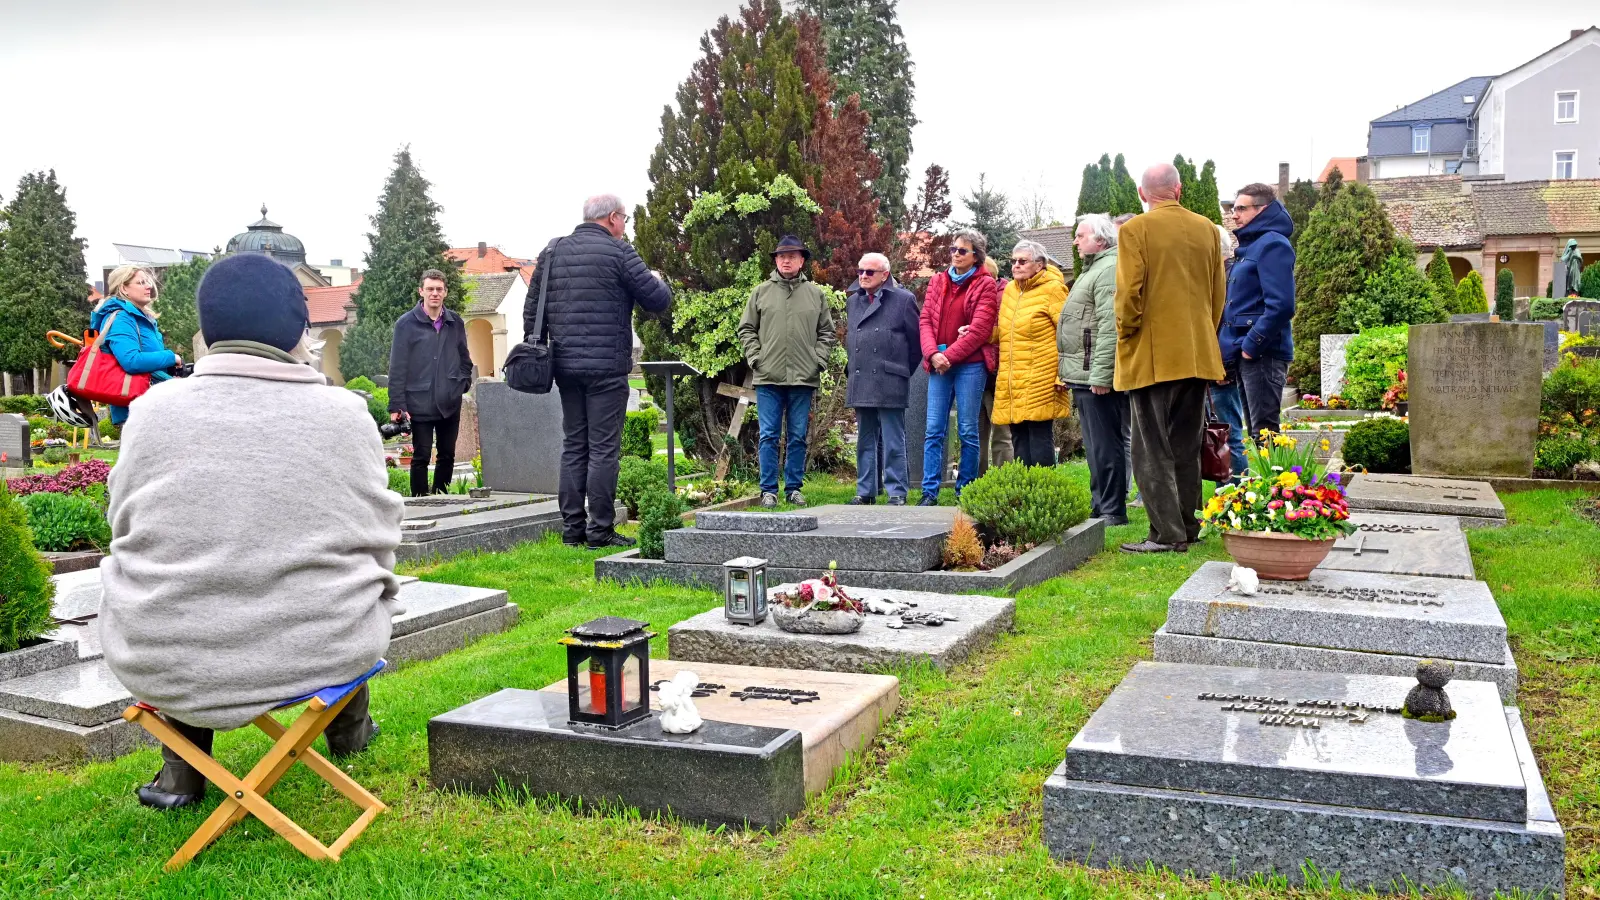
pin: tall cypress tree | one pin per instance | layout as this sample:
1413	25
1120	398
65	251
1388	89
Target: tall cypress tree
1124	189
1202	196
42	282
1298	203
406	242
1347	238
1444	283
868	57
1094	192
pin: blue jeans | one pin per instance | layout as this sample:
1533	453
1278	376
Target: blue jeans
774	404
962	384
890	424
1227	404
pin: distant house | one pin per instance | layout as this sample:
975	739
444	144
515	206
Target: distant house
156	259
332	310
1428	137
486	260
494	317
1056	240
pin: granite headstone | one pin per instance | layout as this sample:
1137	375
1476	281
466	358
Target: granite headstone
520	438
16	445
1333	356
1474	393
1581	316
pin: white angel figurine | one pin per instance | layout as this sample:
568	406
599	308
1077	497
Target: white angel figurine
1243	581
678	715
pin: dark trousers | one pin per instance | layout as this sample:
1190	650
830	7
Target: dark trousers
1106	436
1168	427
592	412
1035	442
423	432
1261	381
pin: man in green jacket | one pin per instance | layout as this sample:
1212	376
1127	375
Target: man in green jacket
1087	341
787	333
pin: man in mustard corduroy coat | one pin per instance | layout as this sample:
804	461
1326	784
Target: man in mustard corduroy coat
1170	294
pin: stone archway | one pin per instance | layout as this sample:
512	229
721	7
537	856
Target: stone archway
330	355
480	345
1459	267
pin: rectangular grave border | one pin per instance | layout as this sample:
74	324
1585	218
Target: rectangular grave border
1038	565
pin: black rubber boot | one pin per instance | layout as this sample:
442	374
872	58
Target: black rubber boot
178	784
352	729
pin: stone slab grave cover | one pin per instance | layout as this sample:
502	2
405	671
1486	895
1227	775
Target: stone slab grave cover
710	637
445	525
519	437
16	441
843	719
1474	503
1241	771
1474	393
902	539
1333	358
722	774
1434	546
1354	622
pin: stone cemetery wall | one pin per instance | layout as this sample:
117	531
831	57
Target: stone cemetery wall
520	438
1333	347
1474	395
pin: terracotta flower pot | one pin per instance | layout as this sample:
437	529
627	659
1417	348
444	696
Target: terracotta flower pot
1276	557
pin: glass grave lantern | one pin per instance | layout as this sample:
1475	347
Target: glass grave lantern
608	672
744	597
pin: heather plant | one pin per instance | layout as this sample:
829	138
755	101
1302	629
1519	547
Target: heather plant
73	479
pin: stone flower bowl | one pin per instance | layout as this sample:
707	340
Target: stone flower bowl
816	621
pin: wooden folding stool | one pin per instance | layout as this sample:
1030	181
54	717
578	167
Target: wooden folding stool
247	796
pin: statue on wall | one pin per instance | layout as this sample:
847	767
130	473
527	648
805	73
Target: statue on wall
1569	271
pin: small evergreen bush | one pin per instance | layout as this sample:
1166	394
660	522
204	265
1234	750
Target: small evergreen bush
1026	504
110	430
1470	297
1505	295
638	477
62	522
1589	282
660	511
24	404
26	591
1545	308
1382	444
1568	391
638	434
377	397
400	480
1557	455
55	456
1373	360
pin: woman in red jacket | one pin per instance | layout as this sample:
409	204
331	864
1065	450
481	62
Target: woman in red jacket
958	315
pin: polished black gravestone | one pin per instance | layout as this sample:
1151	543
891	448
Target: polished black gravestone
723	774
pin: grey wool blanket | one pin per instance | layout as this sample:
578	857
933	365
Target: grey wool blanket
253	538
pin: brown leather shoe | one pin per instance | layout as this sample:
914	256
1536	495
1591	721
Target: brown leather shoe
1154	547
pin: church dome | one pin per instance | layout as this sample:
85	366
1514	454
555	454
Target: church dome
268	237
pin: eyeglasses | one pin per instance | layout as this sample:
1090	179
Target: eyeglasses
1021	260
1241	207
865	272
960	251
623	215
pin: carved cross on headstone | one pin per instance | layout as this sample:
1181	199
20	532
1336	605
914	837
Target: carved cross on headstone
1360	547
746	395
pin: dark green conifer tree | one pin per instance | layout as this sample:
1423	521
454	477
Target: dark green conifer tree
1346	239
991	216
42	282
175	305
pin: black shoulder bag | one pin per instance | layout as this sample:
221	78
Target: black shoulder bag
529	366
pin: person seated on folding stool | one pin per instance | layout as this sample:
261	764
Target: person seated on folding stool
253	531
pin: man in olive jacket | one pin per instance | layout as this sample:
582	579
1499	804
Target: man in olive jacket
1086	339
1170	295
787	332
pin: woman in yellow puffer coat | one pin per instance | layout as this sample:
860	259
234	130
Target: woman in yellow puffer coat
1025	395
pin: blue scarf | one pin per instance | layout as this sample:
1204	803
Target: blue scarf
958	279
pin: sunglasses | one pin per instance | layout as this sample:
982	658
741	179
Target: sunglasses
960	251
865	272
1021	260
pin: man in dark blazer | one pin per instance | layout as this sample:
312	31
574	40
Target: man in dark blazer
885	348
429	370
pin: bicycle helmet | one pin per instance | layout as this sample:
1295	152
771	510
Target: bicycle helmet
67	409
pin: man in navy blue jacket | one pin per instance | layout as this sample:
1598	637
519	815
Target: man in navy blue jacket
1255	323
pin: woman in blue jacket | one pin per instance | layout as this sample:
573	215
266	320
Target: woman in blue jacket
132	336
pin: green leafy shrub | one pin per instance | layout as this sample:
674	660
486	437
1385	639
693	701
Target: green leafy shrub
362	383
638	434
638	477
1545	308
1373	359
110	430
660	511
1570	394
26	591
1558	454
55	456
1398	293
1589	282
62	522
1381	444
400	481
1026	504
23	404
1470	296
1505	295
377	397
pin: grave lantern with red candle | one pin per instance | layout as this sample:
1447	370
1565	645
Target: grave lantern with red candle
608	672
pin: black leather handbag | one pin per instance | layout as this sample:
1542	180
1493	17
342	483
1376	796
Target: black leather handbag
529	367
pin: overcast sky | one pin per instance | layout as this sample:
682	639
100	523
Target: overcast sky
171	121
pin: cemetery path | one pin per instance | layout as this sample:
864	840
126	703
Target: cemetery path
947	804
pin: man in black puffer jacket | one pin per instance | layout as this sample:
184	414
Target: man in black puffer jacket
595	278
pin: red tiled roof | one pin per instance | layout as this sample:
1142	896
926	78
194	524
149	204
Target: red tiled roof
1345	164
331	305
1538	207
492	262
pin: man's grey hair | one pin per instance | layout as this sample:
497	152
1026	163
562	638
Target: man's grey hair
878	258
1102	227
597	208
1034	249
975	240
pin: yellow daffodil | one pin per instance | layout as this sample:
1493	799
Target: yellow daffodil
1288	479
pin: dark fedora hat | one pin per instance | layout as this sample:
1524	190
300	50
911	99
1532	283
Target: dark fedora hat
791	244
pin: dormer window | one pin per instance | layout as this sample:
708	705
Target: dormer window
1469	98
1420	138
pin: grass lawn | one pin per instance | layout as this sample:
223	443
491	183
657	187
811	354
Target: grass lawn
947	804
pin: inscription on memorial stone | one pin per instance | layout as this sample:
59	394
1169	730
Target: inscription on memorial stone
1305	713
1365	595
1474	390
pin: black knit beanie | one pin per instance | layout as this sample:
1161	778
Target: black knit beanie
251	297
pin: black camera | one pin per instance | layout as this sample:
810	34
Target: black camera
395	429
183	371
